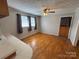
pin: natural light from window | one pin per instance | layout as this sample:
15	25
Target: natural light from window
33	21
25	22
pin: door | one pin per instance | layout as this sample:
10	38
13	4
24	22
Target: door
64	26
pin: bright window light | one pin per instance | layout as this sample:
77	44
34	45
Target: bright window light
25	22
32	21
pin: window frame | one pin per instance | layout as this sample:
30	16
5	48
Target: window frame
28	21
22	22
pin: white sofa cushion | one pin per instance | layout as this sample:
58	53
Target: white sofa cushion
24	51
6	48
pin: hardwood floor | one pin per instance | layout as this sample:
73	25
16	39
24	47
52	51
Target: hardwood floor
51	47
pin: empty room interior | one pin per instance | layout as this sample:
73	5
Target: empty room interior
39	29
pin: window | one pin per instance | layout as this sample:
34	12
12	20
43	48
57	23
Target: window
25	22
32	21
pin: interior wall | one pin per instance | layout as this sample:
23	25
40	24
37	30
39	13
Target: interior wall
0	32
50	24
77	36
74	31
9	24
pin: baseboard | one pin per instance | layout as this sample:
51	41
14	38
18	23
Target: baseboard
30	35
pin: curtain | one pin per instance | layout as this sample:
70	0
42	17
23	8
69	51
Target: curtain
19	24
30	27
35	23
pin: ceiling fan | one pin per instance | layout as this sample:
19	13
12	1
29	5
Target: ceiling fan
46	11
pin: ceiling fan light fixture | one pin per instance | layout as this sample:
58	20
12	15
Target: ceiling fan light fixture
46	11
45	14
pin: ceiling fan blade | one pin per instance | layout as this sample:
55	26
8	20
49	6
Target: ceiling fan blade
51	11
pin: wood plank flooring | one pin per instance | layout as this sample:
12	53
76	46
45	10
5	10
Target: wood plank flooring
51	47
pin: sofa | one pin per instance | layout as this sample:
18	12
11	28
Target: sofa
23	50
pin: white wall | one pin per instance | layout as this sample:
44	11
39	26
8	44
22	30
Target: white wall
50	24
77	36
0	32
9	25
74	31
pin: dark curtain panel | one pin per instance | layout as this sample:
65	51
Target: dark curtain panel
19	24
35	23
29	19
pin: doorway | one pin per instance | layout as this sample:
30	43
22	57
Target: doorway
64	26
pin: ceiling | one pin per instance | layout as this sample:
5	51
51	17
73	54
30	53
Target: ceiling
36	6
